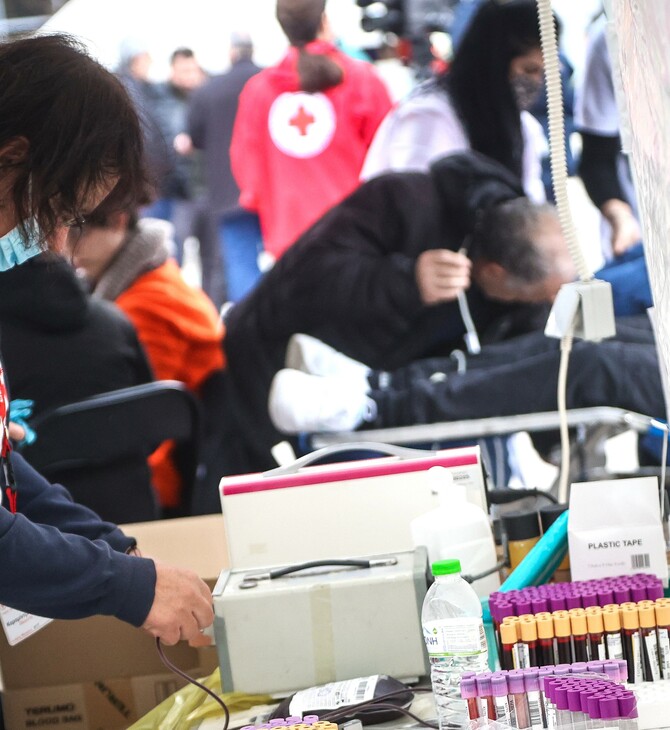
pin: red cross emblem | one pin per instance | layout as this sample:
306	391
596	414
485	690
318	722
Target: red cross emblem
302	120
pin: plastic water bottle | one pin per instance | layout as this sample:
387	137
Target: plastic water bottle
454	634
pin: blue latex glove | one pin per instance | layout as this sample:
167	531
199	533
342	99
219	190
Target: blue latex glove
20	410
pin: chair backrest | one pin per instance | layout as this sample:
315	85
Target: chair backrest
120	424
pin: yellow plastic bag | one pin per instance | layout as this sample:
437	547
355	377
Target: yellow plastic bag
188	707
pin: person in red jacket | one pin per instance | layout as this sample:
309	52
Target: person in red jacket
303	128
127	261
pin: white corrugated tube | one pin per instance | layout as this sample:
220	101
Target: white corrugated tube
559	165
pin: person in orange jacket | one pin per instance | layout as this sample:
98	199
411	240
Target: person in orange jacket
127	261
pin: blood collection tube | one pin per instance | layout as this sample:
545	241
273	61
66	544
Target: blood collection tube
611	669
573	601
596	629
562	634
605	595
655	590
632	642
519	701
589	598
621	593
469	694
557	603
486	707
535	705
579	634
612	624
638	593
540	604
508	639
545	639
663	631
527	646
628	711
649	640
499	690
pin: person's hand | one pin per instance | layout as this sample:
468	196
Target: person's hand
625	228
16	433
441	275
182	144
182	605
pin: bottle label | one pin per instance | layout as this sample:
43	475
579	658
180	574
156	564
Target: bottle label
454	637
664	646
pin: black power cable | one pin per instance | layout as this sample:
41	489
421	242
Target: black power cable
185	676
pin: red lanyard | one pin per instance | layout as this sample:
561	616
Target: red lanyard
6	449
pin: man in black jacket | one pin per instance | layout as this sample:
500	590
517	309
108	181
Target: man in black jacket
377	278
210	125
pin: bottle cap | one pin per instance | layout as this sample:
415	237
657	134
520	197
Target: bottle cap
611	669
593	706
627	705
573	601
446	567
561	697
623	669
638	593
468	688
578	622
605	595
647	616
528	628
539	605
611	621
515	682
574	699
654	591
508	634
561	669
578	667
595	666
609	708
594	621
520	525
622	593
532	680
561	623
550	513
545	626
630	618
499	685
557	603
662	614
589	598
483	681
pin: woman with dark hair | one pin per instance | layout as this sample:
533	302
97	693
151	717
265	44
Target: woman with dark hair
480	103
303	128
69	137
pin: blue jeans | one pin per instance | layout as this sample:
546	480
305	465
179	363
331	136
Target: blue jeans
630	282
241	242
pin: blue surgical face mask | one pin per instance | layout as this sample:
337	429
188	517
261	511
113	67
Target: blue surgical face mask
14	250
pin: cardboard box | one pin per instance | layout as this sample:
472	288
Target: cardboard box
100	673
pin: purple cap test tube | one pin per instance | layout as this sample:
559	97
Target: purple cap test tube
623	669
638	593
627	705
595	666
654	591
621	593
611	669
609	708
578	667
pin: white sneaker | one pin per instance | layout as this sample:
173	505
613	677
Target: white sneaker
300	402
312	356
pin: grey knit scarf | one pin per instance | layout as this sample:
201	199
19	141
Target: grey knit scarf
144	250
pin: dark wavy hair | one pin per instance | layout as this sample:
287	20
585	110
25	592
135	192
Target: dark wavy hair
80	125
478	78
301	21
